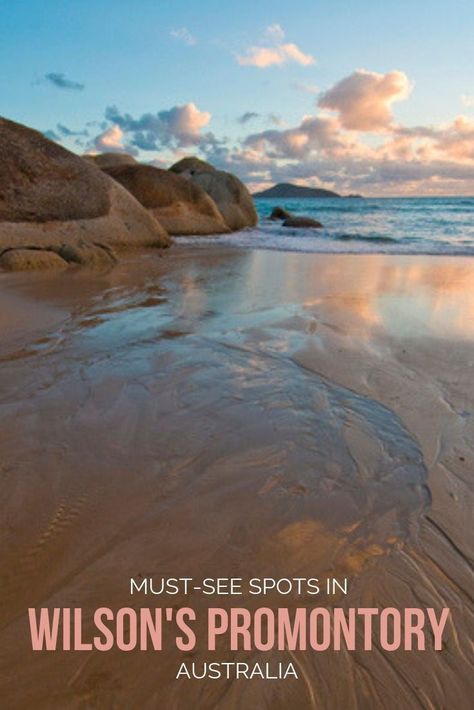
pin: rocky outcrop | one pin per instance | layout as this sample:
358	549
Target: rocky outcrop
109	160
279	213
51	198
87	254
31	260
179	205
302	222
230	195
191	165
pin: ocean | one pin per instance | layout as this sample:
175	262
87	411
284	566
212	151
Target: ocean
408	225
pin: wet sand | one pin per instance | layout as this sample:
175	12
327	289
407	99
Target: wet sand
238	413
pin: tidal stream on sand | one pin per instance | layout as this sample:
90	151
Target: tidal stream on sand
247	413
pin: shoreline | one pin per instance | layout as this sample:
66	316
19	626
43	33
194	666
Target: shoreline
326	403
193	243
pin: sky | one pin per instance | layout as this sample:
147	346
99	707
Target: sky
369	97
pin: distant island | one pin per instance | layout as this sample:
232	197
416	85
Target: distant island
287	190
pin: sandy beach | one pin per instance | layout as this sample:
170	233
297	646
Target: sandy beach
215	412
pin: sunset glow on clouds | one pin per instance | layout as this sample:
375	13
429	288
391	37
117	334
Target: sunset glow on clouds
277	53
267	56
364	99
382	111
333	147
176	127
109	141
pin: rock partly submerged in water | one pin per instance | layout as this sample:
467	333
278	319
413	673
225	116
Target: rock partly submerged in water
51	198
228	192
179	205
109	160
280	213
290	220
302	222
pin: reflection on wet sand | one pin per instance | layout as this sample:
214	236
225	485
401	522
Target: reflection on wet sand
239	414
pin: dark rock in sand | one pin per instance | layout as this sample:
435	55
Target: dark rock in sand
280	213
301	222
109	160
179	205
230	195
50	197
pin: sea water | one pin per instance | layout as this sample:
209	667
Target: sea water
408	225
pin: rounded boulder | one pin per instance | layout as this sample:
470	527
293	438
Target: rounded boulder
109	160
50	198
179	205
228	192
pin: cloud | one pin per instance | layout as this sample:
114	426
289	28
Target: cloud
451	141
305	88
314	134
63	131
275	32
372	174
275	119
325	150
363	100
179	126
276	52
246	117
52	135
184	35
334	148
467	100
455	141
61	82
159	163
69	133
263	57
110	141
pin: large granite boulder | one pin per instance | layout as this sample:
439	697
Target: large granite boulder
191	165
179	205
230	195
109	160
51	198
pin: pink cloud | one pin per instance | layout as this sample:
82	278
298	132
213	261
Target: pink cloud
320	150
456	140
452	141
110	141
315	134
275	52
364	99
467	100
262	57
188	120
355	147
178	126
